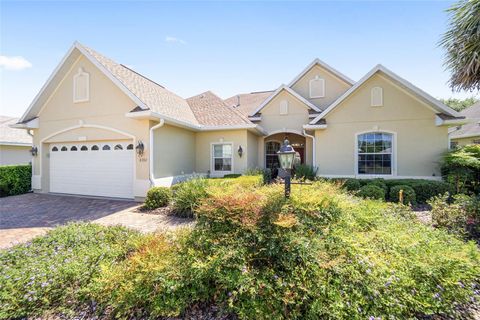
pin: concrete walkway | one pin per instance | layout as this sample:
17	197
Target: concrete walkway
29	215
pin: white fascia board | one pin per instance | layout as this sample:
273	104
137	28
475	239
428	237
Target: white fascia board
467	135
15	144
314	126
32	124
437	104
453	122
104	70
76	45
327	67
150	115
45	85
307	103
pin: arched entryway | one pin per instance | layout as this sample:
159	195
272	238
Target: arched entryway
273	143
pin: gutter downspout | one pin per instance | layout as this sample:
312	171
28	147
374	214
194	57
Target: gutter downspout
313	146
160	124
33	159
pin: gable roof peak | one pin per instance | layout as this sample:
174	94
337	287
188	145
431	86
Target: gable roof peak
425	97
325	66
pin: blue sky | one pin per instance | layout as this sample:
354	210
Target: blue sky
226	47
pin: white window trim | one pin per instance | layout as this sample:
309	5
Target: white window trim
81	72
394	155
317	78
372	97
213	172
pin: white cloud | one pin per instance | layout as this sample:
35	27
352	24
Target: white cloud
14	63
170	39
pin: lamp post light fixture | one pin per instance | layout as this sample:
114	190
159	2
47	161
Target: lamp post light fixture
286	156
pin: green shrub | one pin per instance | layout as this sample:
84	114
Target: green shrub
460	216
253	172
379	183
352	185
371	191
188	195
158	197
53	272
232	175
409	196
305	172
424	189
15	180
461	168
319	255
267	176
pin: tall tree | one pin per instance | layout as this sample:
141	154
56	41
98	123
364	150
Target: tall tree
459	104
462	42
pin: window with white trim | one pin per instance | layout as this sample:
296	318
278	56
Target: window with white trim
317	87
283	107
81	86
222	157
377	97
375	153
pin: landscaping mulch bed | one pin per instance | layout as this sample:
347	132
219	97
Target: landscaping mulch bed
164	210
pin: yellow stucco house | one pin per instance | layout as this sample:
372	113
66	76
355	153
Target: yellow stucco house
102	129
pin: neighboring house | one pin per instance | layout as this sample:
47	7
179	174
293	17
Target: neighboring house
468	133
103	129
15	144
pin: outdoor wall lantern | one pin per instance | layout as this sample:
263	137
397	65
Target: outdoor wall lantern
286	156
140	148
34	151
240	151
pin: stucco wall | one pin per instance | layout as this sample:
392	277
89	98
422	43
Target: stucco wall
334	87
272	121
252	147
107	107
464	141
174	151
10	155
204	149
419	143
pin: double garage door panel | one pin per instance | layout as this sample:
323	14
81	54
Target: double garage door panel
105	173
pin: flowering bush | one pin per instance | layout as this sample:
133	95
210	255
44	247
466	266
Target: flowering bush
460	216
53	272
320	254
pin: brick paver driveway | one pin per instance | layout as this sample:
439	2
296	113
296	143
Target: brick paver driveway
26	216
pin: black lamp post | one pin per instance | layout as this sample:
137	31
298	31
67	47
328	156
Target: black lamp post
286	156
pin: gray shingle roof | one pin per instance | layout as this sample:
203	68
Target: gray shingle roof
155	96
245	103
469	129
11	135
211	110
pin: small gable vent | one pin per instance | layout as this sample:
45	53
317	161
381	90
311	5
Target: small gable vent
377	97
317	87
283	107
81	86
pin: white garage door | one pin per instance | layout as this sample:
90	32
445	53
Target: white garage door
98	169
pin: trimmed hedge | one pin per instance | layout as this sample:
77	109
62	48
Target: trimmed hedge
158	197
15	180
371	191
424	189
409	195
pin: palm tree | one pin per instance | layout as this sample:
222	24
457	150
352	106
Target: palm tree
462	42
